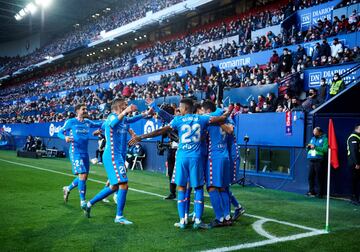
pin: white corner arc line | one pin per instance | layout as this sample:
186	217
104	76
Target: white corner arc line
258	227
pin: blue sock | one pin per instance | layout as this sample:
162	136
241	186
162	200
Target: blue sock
187	200
233	200
82	189
101	195
199	203
226	202
181	204
121	199
73	184
216	203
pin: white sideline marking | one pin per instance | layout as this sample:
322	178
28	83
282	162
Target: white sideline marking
257	225
70	175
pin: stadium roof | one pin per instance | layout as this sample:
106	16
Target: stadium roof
58	16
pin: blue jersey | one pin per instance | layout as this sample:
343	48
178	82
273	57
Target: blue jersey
80	133
218	138
121	130
190	128
115	135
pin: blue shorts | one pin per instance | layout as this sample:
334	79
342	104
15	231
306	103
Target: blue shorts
188	170
80	163
218	172
234	169
115	168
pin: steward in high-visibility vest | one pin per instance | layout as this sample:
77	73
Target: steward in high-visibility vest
336	85
353	148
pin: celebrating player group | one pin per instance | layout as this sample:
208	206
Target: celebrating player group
206	155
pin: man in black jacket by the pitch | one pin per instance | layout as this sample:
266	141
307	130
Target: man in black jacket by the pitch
353	148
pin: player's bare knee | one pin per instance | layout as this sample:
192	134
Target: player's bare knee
114	187
181	188
124	186
211	189
83	176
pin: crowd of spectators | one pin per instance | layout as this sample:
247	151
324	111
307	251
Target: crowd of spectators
211	83
88	31
120	16
284	69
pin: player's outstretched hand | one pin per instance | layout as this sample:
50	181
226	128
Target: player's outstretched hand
150	112
97	132
69	139
134	140
130	108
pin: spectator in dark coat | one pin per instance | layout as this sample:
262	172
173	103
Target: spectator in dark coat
312	101
323	90
325	49
201	72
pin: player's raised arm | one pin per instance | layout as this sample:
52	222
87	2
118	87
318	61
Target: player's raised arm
120	108
132	132
165	116
94	124
64	130
155	133
220	119
227	127
136	118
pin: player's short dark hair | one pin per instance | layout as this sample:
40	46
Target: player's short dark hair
116	101
78	106
196	107
208	104
168	108
189	103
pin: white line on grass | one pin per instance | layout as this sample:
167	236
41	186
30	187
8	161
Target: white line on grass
267	242
257	225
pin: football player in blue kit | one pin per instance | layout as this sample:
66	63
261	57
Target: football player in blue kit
116	129
217	169
188	167
76	132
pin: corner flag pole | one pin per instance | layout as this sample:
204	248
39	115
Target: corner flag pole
327	228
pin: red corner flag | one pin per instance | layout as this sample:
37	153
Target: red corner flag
333	145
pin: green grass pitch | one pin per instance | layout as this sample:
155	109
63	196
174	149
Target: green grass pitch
33	216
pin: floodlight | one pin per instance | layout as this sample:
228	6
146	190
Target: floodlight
31	7
43	3
18	17
22	13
